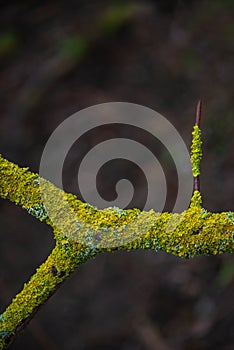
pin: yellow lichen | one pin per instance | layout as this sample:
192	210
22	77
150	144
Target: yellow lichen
196	151
193	232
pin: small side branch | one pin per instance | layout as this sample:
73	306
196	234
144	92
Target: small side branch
196	151
198	113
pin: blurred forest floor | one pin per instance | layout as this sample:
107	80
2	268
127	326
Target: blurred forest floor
59	57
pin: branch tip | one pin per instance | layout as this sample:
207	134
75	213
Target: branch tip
198	113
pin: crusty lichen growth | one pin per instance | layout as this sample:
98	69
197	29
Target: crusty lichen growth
193	232
196	150
59	265
196	200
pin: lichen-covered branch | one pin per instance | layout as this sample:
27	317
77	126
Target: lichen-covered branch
196	149
188	234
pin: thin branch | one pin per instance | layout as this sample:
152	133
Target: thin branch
196	183
198	113
196	179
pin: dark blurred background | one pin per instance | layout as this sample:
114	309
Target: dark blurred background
58	57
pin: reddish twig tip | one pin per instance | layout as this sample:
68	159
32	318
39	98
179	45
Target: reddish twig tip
198	113
196	181
196	184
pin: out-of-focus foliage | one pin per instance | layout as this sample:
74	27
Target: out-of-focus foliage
8	43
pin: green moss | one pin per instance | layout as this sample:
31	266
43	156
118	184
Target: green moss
39	212
179	234
42	284
196	200
193	232
196	150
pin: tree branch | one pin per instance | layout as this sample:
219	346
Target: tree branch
196	150
188	234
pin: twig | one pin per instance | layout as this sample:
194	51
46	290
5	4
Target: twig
198	113
196	180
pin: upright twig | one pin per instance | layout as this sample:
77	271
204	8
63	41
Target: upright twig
198	113
196	180
196	149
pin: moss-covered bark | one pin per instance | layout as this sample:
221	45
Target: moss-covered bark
188	234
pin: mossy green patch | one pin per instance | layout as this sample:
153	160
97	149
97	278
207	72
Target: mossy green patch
193	232
196	151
